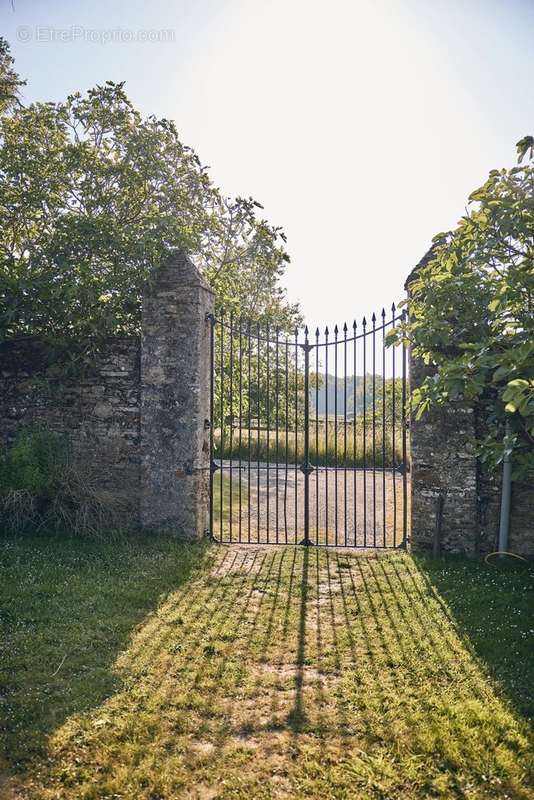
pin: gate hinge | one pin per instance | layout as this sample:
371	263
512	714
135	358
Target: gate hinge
214	466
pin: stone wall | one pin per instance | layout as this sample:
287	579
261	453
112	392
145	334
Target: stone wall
521	534
443	463
137	417
100	412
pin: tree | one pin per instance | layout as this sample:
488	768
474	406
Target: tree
10	82
471	313
92	198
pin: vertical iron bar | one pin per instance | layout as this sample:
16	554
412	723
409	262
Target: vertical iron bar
384	427
231	418
286	476
268	414
296	432
394	432
211	320
249	427
277	423
317	529
354	439
404	449
326	457
222	421
258	535
335	432
240	422
373	319
345	428
364	341
306	438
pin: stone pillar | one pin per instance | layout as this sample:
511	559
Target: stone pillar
443	462
175	378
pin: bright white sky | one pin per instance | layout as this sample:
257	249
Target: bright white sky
361	126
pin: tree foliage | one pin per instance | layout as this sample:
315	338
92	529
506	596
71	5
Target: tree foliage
471	313
92	198
10	82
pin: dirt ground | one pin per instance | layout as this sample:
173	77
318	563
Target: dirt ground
346	507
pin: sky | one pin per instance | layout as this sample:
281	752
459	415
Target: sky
361	126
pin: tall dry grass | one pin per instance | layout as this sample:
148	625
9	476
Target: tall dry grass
343	446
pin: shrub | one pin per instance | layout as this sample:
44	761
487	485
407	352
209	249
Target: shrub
472	315
42	487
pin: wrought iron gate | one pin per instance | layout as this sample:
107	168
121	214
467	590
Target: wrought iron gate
308	435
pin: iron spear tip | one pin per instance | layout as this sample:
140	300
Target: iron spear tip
393	307
373	318
317	332
354	325
345	329
336	331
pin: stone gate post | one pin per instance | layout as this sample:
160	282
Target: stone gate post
175	378
443	463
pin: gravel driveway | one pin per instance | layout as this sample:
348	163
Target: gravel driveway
347	507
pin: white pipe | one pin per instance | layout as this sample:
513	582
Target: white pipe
506	495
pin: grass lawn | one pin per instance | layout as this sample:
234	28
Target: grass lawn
146	670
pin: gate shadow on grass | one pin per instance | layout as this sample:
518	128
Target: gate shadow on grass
283	668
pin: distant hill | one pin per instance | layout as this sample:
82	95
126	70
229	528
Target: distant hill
331	388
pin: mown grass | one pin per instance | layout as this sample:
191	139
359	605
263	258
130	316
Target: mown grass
264	673
339	448
67	608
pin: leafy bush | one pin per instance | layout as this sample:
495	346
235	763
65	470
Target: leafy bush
42	487
472	314
34	463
